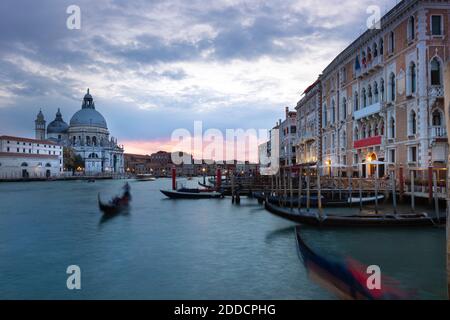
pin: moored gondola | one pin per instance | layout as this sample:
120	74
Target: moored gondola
313	200
185	193
313	218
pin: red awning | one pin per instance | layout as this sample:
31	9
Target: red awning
367	142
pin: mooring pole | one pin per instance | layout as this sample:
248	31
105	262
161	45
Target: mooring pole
413	205
319	193
285	186
430	185
394	195
300	182
436	199
350	187
290	188
308	189
360	194
376	192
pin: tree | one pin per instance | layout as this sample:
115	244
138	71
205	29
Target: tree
72	161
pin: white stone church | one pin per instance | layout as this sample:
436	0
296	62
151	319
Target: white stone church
87	133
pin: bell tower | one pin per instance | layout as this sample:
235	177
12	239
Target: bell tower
40	126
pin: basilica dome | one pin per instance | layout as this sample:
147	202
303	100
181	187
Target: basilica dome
58	125
88	116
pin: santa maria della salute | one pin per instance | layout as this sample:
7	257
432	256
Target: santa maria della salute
87	134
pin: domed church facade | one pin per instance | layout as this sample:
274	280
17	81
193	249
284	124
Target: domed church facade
87	133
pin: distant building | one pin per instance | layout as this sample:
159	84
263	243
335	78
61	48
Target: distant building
23	158
288	136
88	135
308	143
137	163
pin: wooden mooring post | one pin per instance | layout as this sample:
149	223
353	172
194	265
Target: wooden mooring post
435	196
308	189
319	192
360	194
394	195
291	192
300	185
413	204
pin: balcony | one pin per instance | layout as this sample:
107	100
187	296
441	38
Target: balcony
306	135
438	132
436	92
367	111
367	142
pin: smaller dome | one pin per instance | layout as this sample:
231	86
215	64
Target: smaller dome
40	116
58	125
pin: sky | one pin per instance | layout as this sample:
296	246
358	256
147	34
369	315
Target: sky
157	66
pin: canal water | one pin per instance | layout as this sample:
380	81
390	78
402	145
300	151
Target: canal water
184	249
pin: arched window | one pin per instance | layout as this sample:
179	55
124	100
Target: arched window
375	92
412	122
356	102
325	120
364	97
88	141
356	134
375	50
436	118
392	128
94	141
435	72
363	131
412	77
333	112
369	130
344	108
375	130
382	89
381	46
411	28
24	164
381	128
74	140
392	86
48	165
344	140
391	42
369	89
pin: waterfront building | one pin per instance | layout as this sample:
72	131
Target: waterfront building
309	134
87	134
288	136
137	163
23	158
382	97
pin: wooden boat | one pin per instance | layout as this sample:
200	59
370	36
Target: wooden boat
145	177
313	200
185	193
359	220
117	204
347	278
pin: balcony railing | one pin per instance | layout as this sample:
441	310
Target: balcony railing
438	132
367	111
436	91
